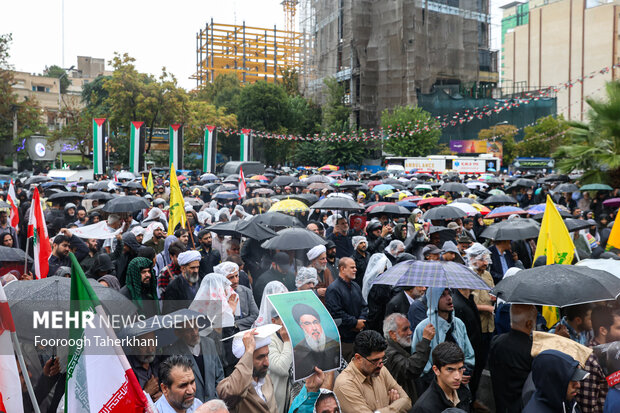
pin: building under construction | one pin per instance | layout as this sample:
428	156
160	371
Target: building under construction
387	51
252	53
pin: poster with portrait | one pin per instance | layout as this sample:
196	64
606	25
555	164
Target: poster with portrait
313	332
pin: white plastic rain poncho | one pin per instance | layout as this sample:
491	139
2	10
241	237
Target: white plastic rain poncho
266	311
377	265
212	300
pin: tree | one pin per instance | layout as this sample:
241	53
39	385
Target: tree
94	95
335	112
223	92
414	132
290	81
504	134
59	73
263	106
543	138
594	148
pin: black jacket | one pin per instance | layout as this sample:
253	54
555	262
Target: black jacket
360	265
179	294
521	248
496	266
209	260
345	301
81	251
398	304
466	310
404	366
272	275
344	247
434	400
510	362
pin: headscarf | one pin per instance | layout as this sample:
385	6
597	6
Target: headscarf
306	275
163	258
130	240
377	264
134	281
212	300
266	311
111	280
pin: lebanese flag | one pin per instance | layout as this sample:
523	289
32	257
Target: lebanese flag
12	199
99	377
242	193
40	240
10	386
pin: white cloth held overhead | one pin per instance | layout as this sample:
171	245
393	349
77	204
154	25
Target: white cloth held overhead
100	230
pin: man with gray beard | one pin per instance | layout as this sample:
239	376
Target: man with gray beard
145	365
316	349
401	364
182	290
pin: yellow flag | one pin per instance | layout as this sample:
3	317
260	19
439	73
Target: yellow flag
176	213
143	183
555	243
614	236
150	188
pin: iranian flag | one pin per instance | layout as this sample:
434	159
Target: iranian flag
10	386
12	199
40	240
99	379
242	192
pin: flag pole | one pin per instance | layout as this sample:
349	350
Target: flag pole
22	366
26	259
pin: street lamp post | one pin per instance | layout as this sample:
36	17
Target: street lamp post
59	90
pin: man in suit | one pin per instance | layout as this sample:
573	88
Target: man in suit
525	250
401	302
316	349
501	259
206	364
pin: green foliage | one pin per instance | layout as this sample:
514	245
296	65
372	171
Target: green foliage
504	134
594	148
59	73
77	130
94	95
290	81
408	121
335	112
263	106
304	116
224	92
543	138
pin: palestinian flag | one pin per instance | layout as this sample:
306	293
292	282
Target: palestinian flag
208	152
10	386
136	147
37	230
12	200
99	379
176	145
98	146
244	145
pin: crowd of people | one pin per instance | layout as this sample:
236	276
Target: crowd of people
408	348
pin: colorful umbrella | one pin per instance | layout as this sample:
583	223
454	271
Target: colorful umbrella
259	178
612	203
432	201
467	208
328	168
596	187
496	192
505	211
481	209
288	206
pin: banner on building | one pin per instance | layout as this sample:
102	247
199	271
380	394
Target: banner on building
99	146
136	147
176	145
477	146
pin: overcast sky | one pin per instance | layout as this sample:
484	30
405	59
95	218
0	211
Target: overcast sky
155	32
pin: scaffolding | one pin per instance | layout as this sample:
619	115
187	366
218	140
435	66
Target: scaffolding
252	53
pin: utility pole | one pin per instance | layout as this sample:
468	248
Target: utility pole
14	108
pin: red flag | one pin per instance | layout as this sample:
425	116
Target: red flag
242	193
10	387
38	231
12	199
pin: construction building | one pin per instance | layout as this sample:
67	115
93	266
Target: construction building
386	52
562	47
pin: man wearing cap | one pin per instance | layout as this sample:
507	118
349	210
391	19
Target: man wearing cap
431	253
332	261
316	349
360	256
557	377
182	290
463	242
249	388
318	260
450	252
280	271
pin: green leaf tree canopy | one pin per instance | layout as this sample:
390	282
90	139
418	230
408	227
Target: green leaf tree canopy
414	131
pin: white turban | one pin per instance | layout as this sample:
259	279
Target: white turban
238	348
357	240
188	256
315	252
226	268
306	275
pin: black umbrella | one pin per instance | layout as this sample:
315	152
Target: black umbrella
99	195
13	255
63	196
558	286
251	229
283	180
100	186
444	212
454	187
573	224
133	185
563	214
526	183
317	178
499	200
277	219
37	179
338	203
497	181
512	229
566	187
290	239
126	204
224	228
390	209
466	200
351	185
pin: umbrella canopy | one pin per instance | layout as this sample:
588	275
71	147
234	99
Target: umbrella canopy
351	185
466	208
612	203
132	184
99	195
53	293
432	201
260	202
444	212
465	201
226	188
288	206
259	178
388	209
609	264
37	179
283	180
337	203
446	274
126	204
208	177
13	255
454	187
499	200
317	185
475	185
573	224
526	183
558	286
423	187
64	196
293	239
225	196
513	229
596	187
277	219
383	187
263	191
505	211
328	168
125	175
248	228
102	185
496	192
225	228
566	187
317	178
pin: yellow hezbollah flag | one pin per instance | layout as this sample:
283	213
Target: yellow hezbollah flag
150	188
555	243
614	236
143	182
176	213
